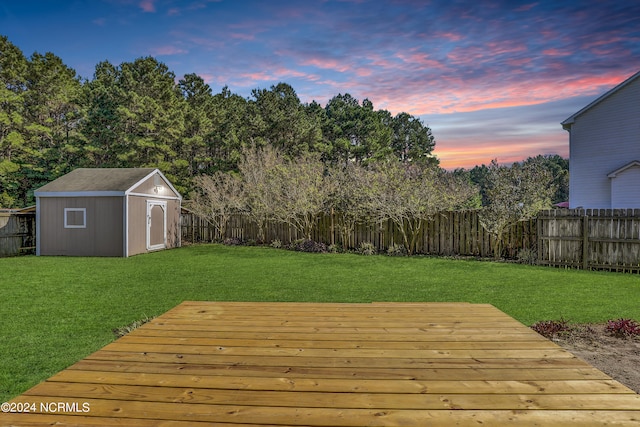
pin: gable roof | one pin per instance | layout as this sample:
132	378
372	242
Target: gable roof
97	179
568	122
618	171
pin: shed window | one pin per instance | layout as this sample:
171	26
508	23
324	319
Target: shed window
75	217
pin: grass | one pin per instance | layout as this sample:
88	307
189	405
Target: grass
56	310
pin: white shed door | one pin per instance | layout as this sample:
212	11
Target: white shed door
156	225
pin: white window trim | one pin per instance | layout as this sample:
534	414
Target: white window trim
150	205
84	217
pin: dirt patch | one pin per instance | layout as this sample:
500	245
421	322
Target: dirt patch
617	357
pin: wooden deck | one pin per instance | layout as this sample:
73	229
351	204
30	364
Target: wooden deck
285	364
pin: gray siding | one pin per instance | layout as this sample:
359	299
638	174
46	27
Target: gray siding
603	139
103	235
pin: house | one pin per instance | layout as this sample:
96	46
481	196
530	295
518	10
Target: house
604	141
107	212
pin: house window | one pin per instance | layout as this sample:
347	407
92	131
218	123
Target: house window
75	217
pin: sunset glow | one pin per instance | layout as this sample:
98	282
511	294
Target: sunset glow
492	79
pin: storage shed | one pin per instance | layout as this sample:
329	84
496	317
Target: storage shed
107	212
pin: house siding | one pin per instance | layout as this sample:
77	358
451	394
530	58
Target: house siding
625	189
603	139
102	235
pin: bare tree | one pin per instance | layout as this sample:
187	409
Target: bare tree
349	198
412	195
301	192
514	194
257	167
216	198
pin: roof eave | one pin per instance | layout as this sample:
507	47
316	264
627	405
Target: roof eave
566	125
79	193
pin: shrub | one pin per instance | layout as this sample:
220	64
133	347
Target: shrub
623	328
277	244
367	248
232	241
396	250
550	328
527	256
307	245
251	242
335	248
294	245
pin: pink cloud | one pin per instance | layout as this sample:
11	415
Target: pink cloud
519	62
242	36
148	5
326	64
452	94
526	7
451	36
422	60
556	52
168	50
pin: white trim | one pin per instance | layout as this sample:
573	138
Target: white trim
84	217
125	237
130	190
618	171
150	205
80	194
38	226
155	196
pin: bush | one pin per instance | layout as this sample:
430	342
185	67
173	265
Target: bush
307	245
396	250
367	248
550	328
527	256
335	248
276	244
623	328
232	241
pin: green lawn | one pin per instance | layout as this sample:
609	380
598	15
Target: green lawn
55	310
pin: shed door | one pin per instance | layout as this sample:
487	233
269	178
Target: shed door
156	225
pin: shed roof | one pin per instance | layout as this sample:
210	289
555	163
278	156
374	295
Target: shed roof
97	179
568	122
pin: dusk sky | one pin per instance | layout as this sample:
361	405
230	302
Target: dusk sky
493	79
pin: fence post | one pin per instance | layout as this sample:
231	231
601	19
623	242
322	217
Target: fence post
585	241
539	237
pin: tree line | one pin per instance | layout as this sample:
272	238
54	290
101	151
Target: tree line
271	187
138	114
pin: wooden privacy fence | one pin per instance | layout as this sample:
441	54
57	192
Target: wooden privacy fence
606	239
17	232
449	233
572	238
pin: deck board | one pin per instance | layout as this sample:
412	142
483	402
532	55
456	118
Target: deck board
306	364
